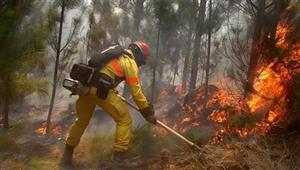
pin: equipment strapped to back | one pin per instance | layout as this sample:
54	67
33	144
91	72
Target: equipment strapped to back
105	56
89	74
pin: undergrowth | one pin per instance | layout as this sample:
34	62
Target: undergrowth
8	137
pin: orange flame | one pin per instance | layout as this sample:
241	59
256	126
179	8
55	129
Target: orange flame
268	98
56	130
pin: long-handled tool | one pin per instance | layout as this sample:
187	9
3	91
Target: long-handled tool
164	126
73	85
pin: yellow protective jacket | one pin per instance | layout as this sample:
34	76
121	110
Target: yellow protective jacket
126	68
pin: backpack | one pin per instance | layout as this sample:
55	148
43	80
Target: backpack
89	74
105	56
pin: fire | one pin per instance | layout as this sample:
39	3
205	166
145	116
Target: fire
273	82
272	117
267	87
219	117
281	34
41	130
56	129
267	104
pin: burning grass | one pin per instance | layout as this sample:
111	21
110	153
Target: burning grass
271	105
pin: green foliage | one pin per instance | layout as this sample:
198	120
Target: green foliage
143	141
22	44
26	86
166	12
8	138
100	147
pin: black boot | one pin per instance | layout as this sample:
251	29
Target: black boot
121	159
66	160
119	156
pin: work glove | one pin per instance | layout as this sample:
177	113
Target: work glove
148	114
82	90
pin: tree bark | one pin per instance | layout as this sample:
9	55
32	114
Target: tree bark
273	19
156	58
208	53
196	52
138	14
187	59
58	50
254	55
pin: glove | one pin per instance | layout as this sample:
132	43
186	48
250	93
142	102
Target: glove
148	114
82	90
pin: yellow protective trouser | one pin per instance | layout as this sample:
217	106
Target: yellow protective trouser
114	106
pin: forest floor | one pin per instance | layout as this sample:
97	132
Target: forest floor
23	148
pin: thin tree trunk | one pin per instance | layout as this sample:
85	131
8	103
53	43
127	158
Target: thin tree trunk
88	46
254	56
138	15
208	53
196	52
187	59
156	60
56	68
160	71
6	105
174	75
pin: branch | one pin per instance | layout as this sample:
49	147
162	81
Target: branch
252	9
268	6
252	4
73	31
70	38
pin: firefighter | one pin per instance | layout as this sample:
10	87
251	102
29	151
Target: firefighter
125	68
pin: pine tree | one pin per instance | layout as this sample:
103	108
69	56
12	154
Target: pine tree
22	45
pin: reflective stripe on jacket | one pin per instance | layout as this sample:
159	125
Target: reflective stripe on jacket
126	68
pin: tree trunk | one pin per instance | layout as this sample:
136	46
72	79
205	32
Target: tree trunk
187	59
156	60
6	105
254	55
273	19
208	54
138	15
199	32
56	68
174	73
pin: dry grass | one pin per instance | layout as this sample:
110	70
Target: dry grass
280	152
273	152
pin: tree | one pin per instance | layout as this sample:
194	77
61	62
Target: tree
208	50
22	45
188	10
265	17
55	42
256	37
197	41
138	15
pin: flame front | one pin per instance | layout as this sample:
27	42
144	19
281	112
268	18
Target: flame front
269	97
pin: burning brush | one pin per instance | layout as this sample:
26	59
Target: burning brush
272	105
